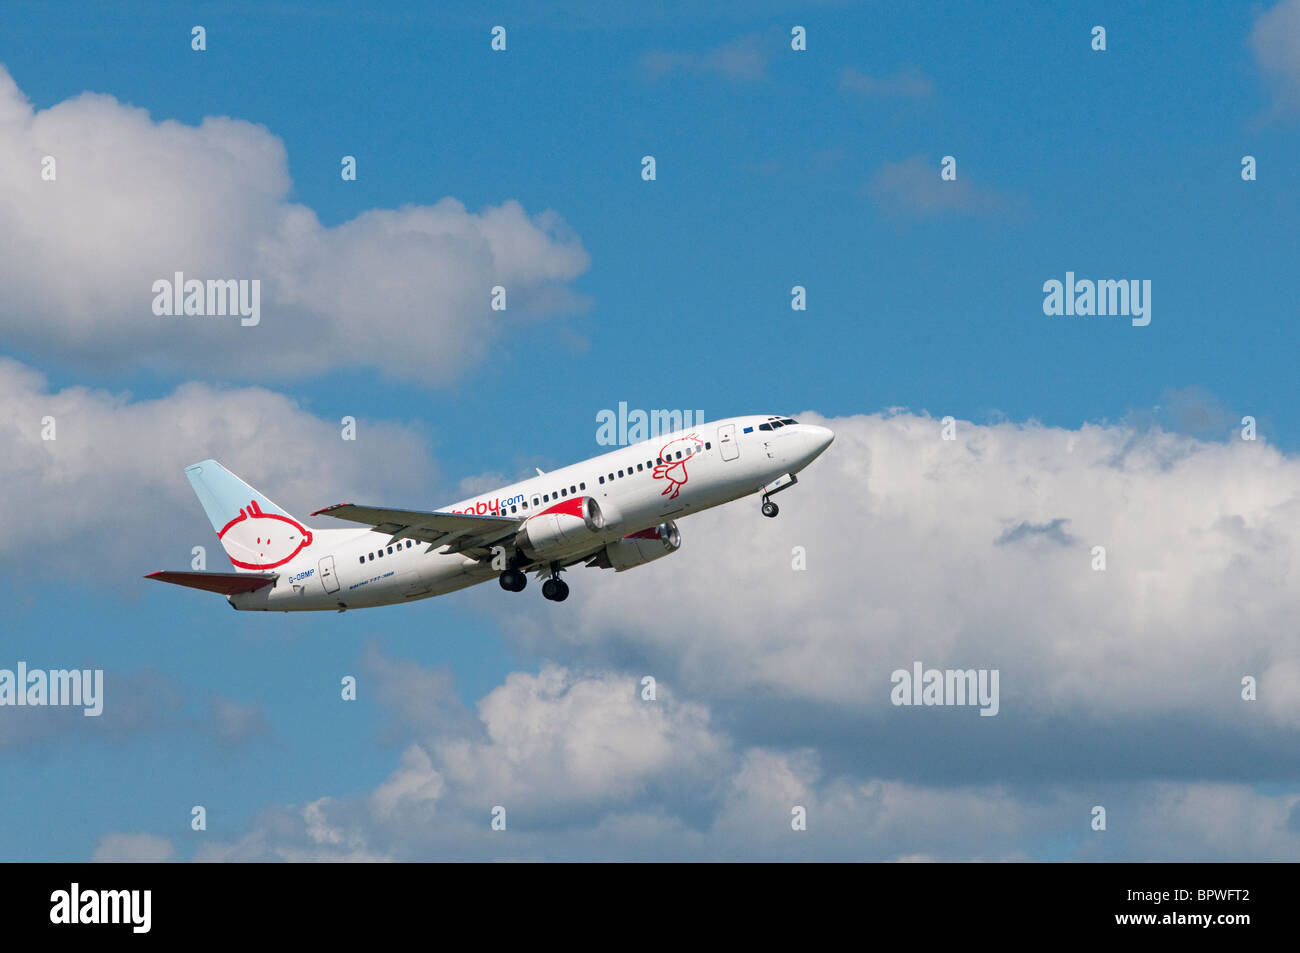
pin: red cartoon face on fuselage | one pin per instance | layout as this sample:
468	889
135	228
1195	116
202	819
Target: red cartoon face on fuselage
263	540
672	469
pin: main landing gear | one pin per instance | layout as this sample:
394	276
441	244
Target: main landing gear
769	508
555	589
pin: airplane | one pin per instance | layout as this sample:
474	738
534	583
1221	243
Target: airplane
616	511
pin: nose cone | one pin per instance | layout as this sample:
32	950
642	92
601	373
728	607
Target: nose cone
815	441
823	437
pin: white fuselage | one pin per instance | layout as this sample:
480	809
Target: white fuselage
720	462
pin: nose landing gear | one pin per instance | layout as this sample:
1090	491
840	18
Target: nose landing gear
783	482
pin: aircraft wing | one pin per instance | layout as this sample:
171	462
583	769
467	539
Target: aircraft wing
458	531
226	583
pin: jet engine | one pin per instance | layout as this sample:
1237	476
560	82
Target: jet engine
640	548
568	525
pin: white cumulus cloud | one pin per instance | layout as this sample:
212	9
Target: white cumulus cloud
919	548
406	291
112	480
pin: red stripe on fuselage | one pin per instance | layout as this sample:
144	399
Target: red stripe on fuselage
570	507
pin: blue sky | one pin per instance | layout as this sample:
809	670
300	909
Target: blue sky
1125	163
775	168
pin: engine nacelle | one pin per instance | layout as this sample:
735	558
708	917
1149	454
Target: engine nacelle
569	524
641	548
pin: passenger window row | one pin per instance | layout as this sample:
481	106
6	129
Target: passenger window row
650	464
380	551
553	496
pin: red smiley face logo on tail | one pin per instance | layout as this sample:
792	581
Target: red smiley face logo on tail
266	539
673	470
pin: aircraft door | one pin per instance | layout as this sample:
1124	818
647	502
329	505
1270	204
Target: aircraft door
727	442
327	577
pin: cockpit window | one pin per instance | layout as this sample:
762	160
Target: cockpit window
764	426
789	420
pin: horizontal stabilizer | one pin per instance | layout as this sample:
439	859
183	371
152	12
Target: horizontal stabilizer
226	583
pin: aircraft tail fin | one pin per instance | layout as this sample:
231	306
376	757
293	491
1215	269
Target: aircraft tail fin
256	534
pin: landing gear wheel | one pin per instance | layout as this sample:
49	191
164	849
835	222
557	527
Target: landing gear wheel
557	590
770	508
512	580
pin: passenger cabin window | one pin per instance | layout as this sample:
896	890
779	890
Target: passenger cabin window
363	559
582	486
638	468
390	550
573	489
708	445
563	492
620	474
602	479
